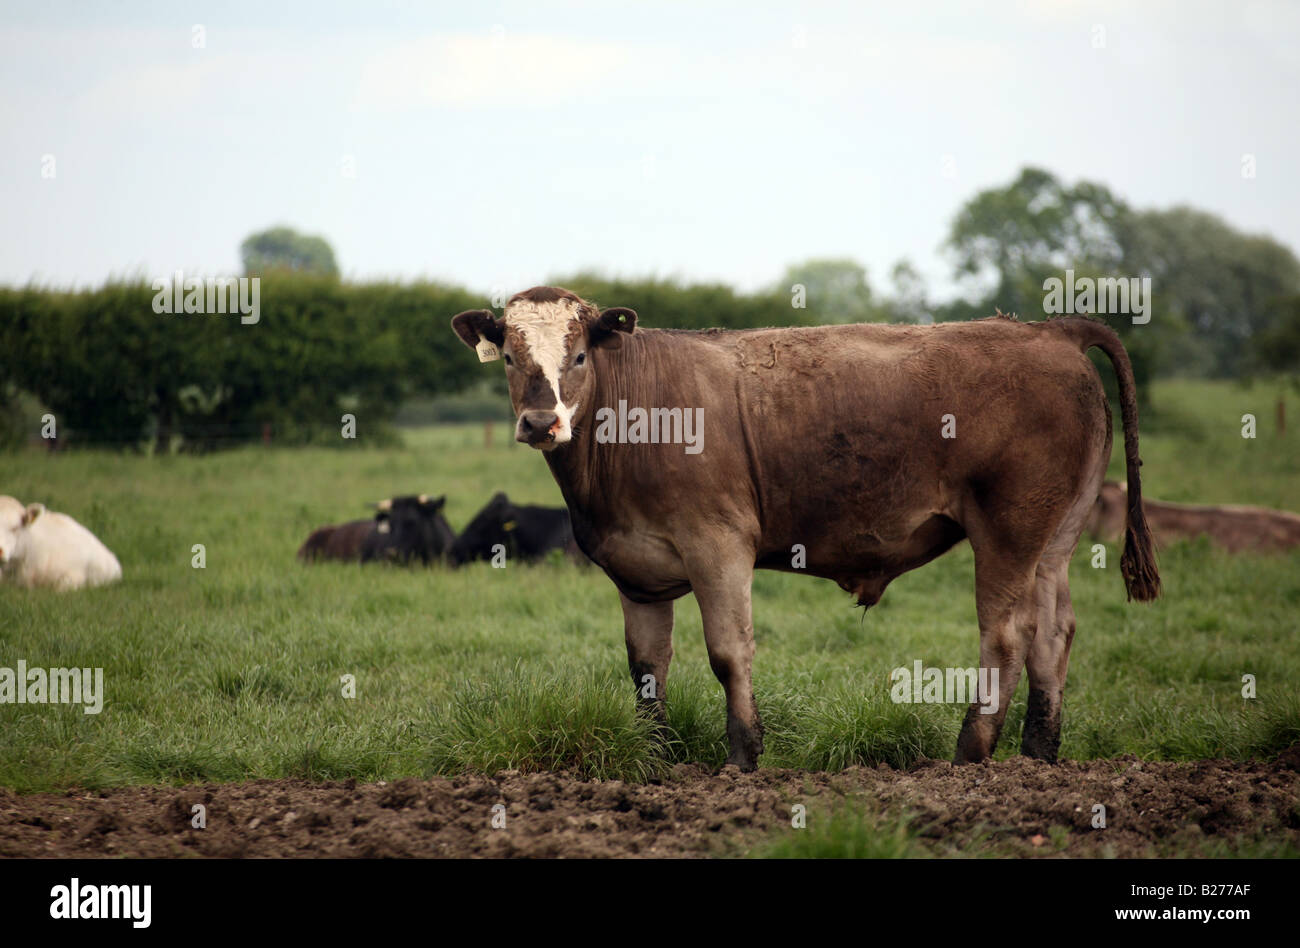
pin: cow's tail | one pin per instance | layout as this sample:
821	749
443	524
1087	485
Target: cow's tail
1138	562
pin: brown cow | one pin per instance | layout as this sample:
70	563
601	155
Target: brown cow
337	542
1234	528
831	438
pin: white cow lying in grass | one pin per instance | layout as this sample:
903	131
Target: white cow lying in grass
42	548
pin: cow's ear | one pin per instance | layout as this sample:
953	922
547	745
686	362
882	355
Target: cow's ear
606	327
478	325
432	505
31	513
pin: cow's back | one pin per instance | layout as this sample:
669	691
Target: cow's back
62	553
348	539
337	542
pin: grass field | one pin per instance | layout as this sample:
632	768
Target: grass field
233	671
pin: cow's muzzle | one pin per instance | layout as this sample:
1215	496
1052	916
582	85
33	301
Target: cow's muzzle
536	427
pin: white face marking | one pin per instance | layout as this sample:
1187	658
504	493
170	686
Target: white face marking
545	327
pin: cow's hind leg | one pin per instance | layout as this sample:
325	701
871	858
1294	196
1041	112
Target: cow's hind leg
1047	662
648	629
1049	656
1005	601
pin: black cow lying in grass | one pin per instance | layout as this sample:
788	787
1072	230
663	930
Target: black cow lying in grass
403	529
524	533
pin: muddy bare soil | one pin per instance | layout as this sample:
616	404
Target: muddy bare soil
1017	807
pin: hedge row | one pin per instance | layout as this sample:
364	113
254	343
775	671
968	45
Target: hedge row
114	371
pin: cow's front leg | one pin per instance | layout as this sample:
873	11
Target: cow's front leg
724	598
648	629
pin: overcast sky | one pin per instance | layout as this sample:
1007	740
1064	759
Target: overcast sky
498	144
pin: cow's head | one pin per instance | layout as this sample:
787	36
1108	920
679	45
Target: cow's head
410	526
547	338
15	519
492	525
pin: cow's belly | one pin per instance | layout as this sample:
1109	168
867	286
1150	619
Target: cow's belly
864	560
647	567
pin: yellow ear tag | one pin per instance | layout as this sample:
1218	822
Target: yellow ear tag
510	525
487	351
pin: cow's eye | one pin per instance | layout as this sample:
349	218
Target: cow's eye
580	358
509	361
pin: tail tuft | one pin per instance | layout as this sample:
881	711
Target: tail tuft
1138	562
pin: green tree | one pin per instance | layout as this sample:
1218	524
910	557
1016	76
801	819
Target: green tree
283	248
1007	241
1212	286
1217	286
910	301
834	290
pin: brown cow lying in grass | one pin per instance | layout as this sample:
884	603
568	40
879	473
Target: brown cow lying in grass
1234	528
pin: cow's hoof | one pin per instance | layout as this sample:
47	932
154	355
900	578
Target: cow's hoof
737	763
745	743
735	770
1040	744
